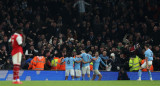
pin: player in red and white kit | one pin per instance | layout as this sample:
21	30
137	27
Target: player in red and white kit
17	51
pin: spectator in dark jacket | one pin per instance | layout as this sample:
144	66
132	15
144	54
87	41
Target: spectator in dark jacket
122	75
113	63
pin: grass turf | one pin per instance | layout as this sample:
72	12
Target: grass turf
83	83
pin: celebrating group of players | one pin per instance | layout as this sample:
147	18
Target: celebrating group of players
17	40
85	59
17	51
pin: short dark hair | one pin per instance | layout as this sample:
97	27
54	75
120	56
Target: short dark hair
147	45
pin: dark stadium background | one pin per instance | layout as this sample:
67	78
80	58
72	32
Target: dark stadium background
56	26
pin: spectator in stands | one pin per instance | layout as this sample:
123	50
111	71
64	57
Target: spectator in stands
3	55
113	63
156	61
30	53
81	5
8	65
122	75
104	58
134	63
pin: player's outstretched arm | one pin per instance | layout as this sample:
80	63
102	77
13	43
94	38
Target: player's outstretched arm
103	63
61	61
78	56
94	59
78	61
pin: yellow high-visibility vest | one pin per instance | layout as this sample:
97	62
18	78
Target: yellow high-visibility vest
134	63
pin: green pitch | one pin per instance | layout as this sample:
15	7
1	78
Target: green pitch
83	83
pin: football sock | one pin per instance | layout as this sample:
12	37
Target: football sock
72	79
139	73
14	73
89	78
17	71
78	78
150	75
83	78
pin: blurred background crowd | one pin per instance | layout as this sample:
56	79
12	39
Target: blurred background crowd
117	29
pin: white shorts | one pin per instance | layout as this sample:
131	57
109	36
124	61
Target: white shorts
86	70
17	58
96	72
78	72
70	71
144	64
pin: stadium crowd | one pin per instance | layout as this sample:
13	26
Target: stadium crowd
117	29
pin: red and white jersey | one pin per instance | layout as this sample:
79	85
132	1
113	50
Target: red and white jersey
16	40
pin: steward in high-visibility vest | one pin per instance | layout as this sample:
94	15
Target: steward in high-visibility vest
134	63
31	66
151	68
91	66
62	66
54	63
37	63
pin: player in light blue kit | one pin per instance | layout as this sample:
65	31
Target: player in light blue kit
147	64
69	66
77	67
86	59
96	63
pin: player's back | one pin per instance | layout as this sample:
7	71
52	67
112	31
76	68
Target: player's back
16	40
77	65
86	57
69	62
149	54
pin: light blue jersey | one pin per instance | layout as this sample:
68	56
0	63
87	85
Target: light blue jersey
97	62
149	54
86	57
68	62
77	65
